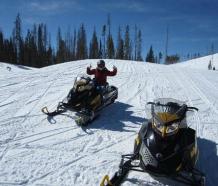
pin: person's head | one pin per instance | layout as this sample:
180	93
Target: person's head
101	65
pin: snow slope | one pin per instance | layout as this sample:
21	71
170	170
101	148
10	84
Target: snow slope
36	150
201	63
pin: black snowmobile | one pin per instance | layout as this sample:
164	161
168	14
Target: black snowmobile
85	99
165	147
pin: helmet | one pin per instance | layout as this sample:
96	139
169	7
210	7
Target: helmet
101	64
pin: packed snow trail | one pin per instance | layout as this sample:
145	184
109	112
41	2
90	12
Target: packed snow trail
39	150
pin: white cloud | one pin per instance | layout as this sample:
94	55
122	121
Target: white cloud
44	6
53	6
130	6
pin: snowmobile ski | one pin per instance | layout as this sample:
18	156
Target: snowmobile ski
60	109
120	175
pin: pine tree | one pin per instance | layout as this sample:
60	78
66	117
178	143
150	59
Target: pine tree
12	52
28	58
17	38
120	46
110	47
139	46
74	46
100	52
135	43
104	41
81	51
49	52
68	42
1	46
33	50
188	56
61	48
110	52
45	40
33	47
49	55
34	33
127	45
21	56
40	46
26	49
109	24
150	56
94	50
160	56
172	59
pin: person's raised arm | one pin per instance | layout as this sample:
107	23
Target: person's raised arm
112	73
90	71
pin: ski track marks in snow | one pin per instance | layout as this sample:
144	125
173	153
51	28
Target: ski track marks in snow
38	150
207	112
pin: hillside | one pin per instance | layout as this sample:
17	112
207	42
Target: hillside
36	150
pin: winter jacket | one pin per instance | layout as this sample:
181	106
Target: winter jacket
101	75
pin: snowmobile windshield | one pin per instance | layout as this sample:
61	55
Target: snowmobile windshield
167	115
82	83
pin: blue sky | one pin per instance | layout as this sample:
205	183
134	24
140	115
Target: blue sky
193	24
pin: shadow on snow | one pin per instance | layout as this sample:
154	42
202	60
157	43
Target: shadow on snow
116	117
208	160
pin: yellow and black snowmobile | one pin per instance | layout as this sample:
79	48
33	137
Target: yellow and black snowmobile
165	147
85	99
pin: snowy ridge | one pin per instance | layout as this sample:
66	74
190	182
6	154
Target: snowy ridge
36	150
201	63
8	67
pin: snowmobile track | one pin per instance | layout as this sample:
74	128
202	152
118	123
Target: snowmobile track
68	164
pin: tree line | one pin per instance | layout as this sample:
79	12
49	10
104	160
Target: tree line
35	48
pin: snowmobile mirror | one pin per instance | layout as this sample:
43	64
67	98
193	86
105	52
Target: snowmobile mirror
192	108
150	103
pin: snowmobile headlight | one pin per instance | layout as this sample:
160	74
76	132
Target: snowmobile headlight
173	128
158	126
81	88
165	130
80	85
84	87
159	123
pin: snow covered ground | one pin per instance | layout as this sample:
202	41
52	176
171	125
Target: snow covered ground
36	150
